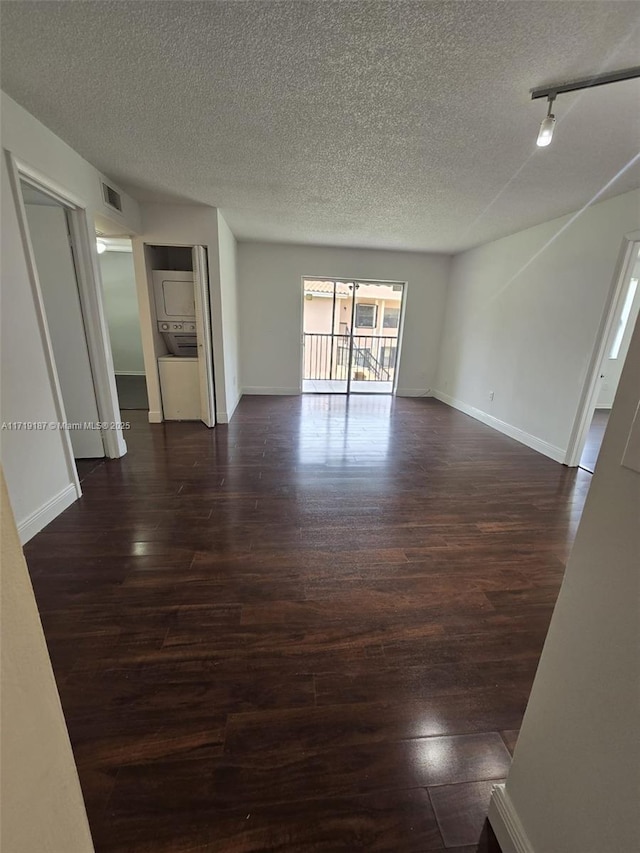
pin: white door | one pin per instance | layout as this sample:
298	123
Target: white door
203	330
617	346
59	286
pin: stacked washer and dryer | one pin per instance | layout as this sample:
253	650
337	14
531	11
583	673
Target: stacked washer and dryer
174	299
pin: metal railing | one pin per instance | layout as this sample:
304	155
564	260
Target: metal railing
373	357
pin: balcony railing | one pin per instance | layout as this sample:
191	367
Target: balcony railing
373	357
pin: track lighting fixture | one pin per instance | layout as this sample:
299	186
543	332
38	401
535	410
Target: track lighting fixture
545	133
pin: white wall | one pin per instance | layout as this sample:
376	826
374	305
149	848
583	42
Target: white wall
121	308
228	258
39	481
42	807
186	225
611	368
57	277
522	319
270	285
575	779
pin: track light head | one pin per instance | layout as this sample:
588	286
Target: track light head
545	134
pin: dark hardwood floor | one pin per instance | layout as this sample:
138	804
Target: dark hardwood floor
314	629
85	467
594	439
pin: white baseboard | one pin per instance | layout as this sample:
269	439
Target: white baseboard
558	454
155	417
34	523
225	417
413	392
229	414
506	824
262	389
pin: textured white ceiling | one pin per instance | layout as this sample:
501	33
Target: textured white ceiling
390	124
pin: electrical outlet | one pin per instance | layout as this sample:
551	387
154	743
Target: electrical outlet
491	395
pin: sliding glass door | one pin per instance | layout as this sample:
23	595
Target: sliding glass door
351	334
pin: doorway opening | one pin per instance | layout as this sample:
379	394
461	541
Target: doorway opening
50	232
351	335
626	315
120	301
607	362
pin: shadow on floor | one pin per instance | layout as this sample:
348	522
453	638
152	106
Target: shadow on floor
488	843
132	392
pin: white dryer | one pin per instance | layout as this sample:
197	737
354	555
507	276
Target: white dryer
176	311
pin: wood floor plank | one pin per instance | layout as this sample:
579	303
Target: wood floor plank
266	736
401	821
232	782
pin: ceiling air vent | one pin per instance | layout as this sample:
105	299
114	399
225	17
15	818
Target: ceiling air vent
111	197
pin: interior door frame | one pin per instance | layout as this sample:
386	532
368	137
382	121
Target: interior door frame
205	337
90	294
355	281
591	387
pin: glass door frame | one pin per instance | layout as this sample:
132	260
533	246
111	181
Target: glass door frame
354	283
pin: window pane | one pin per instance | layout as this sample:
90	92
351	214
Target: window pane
366	316
391	318
624	319
388	355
